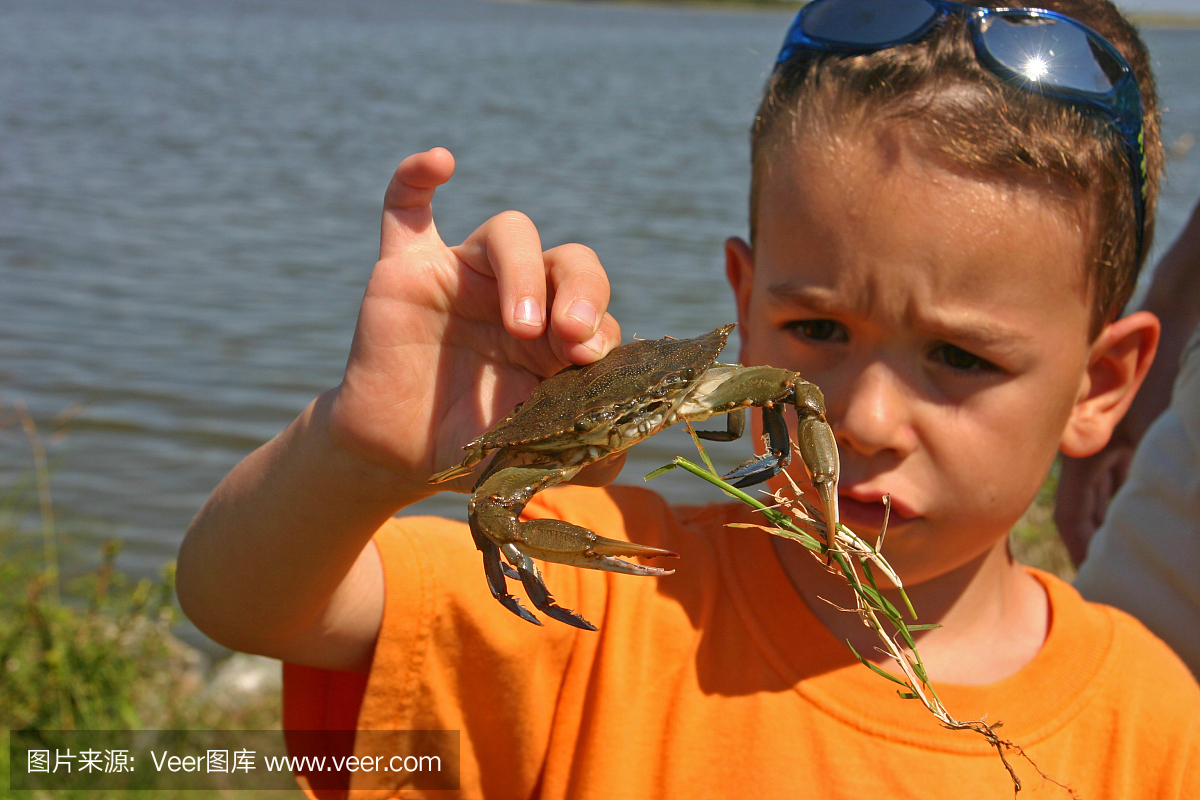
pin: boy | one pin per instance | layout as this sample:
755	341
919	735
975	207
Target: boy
944	253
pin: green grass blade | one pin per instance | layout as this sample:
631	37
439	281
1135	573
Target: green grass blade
878	670
665	468
773	515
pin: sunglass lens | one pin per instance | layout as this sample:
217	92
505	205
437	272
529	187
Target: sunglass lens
865	23
1047	51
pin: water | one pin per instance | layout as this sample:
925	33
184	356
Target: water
189	203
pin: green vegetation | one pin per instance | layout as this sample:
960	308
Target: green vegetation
86	667
788	515
101	657
94	652
1034	540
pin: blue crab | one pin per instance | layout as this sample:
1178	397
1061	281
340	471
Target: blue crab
586	413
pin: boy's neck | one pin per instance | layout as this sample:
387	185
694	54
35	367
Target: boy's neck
994	615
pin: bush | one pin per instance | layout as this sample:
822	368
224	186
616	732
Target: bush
96	652
111	664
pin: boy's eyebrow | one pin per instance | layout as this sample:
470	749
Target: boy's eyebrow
975	332
950	326
814	297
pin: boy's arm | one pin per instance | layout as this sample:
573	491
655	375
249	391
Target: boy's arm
264	565
448	340
1086	485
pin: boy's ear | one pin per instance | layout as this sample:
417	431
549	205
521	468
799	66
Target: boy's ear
739	271
1117	365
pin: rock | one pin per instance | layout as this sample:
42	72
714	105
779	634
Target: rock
242	679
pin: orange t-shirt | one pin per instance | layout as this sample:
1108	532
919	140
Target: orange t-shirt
718	681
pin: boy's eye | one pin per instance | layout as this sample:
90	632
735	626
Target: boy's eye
958	359
819	330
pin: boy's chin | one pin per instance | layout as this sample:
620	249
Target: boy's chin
924	556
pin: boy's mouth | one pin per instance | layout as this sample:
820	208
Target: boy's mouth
860	513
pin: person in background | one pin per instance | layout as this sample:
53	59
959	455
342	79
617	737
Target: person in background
1140	549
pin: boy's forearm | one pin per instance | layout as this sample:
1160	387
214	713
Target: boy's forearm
273	542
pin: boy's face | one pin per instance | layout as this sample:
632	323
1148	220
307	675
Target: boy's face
945	318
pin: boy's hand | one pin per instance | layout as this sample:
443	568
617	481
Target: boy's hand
449	339
1085	487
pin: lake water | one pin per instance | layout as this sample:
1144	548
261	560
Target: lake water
189	204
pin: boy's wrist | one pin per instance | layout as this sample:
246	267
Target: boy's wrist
366	480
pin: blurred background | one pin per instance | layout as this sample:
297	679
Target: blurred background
190	194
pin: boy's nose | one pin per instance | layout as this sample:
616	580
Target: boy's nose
875	414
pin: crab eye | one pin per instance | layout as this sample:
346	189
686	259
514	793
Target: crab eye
819	330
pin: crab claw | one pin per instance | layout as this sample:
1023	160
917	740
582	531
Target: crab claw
539	595
771	463
820	454
564	543
495	571
768	387
498	529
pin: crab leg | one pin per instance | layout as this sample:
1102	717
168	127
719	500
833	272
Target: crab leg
735	426
771	463
727	389
495	524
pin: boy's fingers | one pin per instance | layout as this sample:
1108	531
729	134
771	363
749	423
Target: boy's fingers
581	292
1085	488
508	248
606	337
584	330
407	214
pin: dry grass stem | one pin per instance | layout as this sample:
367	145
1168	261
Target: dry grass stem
45	506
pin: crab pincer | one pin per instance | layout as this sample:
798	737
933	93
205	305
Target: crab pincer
586	413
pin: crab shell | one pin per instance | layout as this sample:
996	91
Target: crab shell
614	402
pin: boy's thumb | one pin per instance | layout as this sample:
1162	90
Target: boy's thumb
407	211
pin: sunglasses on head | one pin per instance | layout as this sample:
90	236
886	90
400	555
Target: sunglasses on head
1035	49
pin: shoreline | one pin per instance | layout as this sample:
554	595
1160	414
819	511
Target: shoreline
1157	19
1143	19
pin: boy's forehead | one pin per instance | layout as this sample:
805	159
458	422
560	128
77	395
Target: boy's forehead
863	168
848	203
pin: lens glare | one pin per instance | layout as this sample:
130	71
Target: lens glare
1043	50
866	23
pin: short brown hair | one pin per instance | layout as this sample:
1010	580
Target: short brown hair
962	111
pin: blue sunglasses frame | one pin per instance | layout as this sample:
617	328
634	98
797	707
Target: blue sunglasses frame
1122	104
